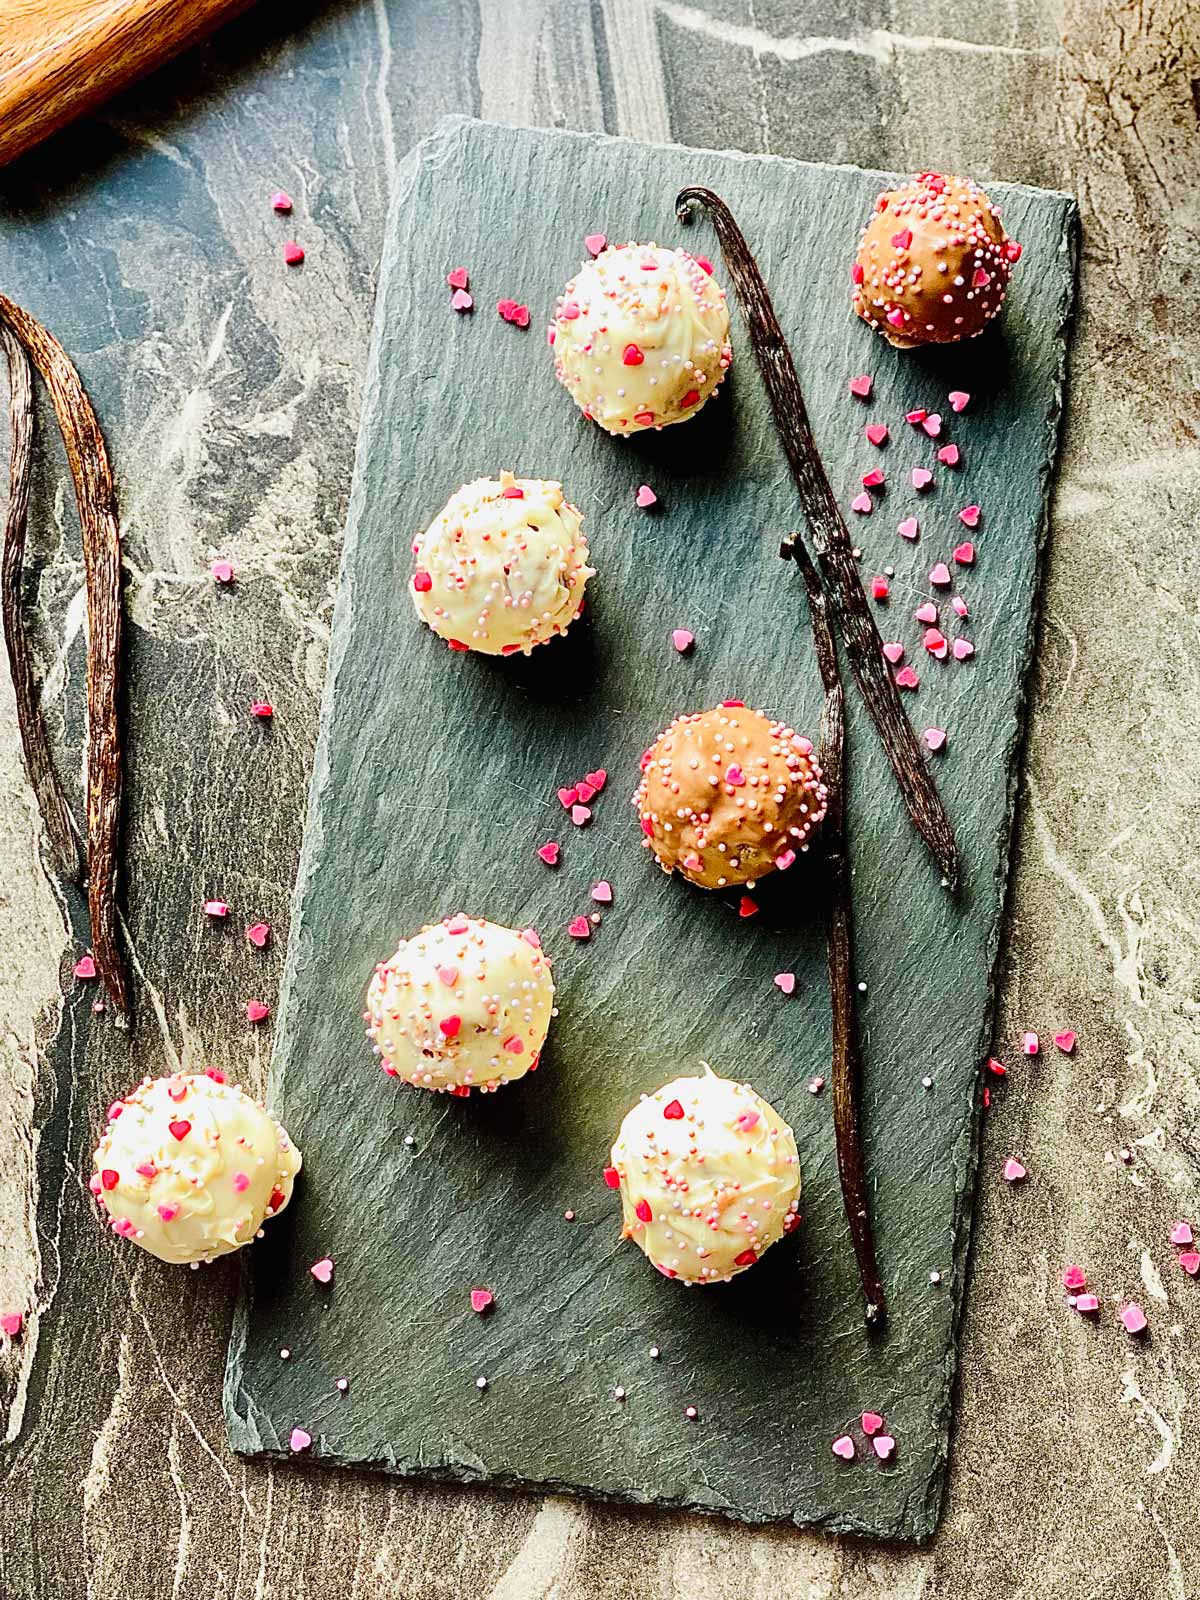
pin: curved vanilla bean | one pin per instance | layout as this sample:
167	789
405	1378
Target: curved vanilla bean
830	537
94	495
61	842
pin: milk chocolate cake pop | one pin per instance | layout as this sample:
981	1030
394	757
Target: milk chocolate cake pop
933	262
502	567
190	1167
464	1004
709	1177
641	337
729	795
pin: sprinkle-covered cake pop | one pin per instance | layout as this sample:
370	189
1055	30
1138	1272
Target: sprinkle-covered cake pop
190	1167
502	567
933	263
709	1177
641	337
464	1004
729	795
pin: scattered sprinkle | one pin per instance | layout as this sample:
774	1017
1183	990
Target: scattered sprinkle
281	201
602	892
844	1447
481	1383
959	604
262	709
549	852
216	908
85	968
654	1352
926	612
460	300
1030	1044
1014	1172
568	1215
259	934
815	1085
969	516
879	588
618	1393
299	1440
932	424
593	243
909	528
1133	1317
1087	1303
940	575
747	907
873	479
948	455
682	640
863	504
1074	1278
646	497
1065	1041
1181	1233
785	982
906	678
222	571
1190	1262
458	278
257	1011
482	1300
580	815
935	738
341	1385
11	1323
958	399
876	432
963	649
883	1444
322	1270
893	651
861	386
920	477
964	553
292	253
871	1423
579	928
690	1413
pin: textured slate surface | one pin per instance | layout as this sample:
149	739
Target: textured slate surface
434	782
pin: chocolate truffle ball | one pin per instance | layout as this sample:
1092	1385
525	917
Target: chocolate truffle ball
709	1178
464	1004
502	567
190	1167
641	337
933	262
729	795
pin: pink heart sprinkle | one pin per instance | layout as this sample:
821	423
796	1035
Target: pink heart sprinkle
844	1447
241	1182
862	504
580	815
259	933
872	479
981	278
507	309
532	937
458	278
85	968
906	678
682	639
1074	1278
871	1423
883	1444
940	576
1190	1262
784	860
222	571
876	432
935	738
262	709
1014	1172
958	399
734	776
593	243
584	792
568	797
460	300
521	316
932	424
168	1213
926	612
747	907
909	528
917	415
969	516
216	908
646	496
598	779
1065	1041
893	650
257	1011
1030	1044
322	1270
448	976
579	928
146	1169
1181	1233
963	649
879	588
299	1440
964	553
1087	1303
861	386
960	605
11	1323
482	1300
549	853
1133	1317
281	201
935	642
948	455
514	1044
785	982
292	253
602	892
921	477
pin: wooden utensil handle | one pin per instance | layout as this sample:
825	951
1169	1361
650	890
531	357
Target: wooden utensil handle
60	58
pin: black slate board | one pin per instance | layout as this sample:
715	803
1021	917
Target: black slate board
435	780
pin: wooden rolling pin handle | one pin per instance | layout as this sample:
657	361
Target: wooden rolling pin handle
60	58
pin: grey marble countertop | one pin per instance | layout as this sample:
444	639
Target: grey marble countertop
230	394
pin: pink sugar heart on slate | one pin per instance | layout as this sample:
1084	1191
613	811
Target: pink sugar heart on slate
1030	1044
259	934
963	649
926	612
921	477
222	571
257	1011
906	678
948	455
281	201
932	424
580	815
458	278
482	1300
879	588
873	479
1133	1317
292	253
1074	1278
597	779
593	243
579	928
785	982
917	415
85	968
1190	1262
602	892
876	432
909	528
883	1444
969	516
322	1270
460	300
843	1448
935	738
958	399
871	1423
521	316
299	1440
568	797
1181	1233
216	908
682	639
861	386
940	575
549	853
959	604
747	907
1065	1040
893	650
935	642
584	792
646	496
964	553
1087	1303
1014	1172
11	1323
862	503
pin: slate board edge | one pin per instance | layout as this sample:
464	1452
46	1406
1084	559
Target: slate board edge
242	1416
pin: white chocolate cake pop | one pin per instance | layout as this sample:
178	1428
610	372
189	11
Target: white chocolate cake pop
641	337
190	1167
709	1177
464	1004
502	567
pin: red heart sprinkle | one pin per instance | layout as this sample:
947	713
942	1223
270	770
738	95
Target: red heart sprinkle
597	779
1190	1262
222	571
747	1258
631	356
179	1130
579	928
1065	1041
612	1177
458	279
643	1212
109	1178
257	1011
747	907
85	967
322	1270
259	934
292	253
903	239
964	553
422	582
969	515
481	1300
450	1027
549	853
568	797
673	1111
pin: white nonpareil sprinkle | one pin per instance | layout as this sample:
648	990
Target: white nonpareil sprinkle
481	1383
654	1352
